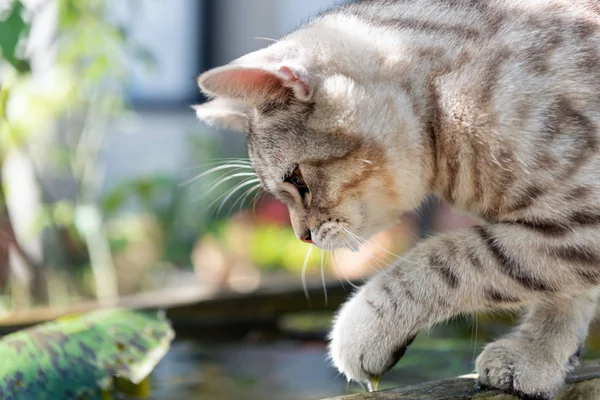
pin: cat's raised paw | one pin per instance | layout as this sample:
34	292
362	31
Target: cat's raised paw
527	371
368	337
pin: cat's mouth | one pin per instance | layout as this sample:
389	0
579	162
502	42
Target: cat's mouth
334	234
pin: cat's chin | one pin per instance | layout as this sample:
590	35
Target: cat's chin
330	246
337	241
343	239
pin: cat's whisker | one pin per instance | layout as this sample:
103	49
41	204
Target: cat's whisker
386	265
382	248
339	268
476	328
245	159
357	245
385	268
265	38
241	200
374	264
376	243
323	276
259	195
257	188
231	161
211	204
197	167
225	178
206	194
361	242
218	162
303	274
335	267
357	242
361	275
213	170
234	191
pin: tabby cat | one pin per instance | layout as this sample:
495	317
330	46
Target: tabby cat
492	105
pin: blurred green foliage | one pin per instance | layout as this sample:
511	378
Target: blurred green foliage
65	107
181	209
162	197
12	29
275	247
68	111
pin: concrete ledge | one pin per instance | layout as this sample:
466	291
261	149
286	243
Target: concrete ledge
194	306
583	384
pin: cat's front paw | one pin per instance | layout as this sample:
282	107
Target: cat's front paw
369	336
515	366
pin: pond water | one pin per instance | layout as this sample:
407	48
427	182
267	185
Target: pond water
263	366
289	361
279	370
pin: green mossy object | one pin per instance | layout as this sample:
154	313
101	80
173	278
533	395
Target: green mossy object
78	357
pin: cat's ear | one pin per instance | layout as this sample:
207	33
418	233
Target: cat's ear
255	85
224	113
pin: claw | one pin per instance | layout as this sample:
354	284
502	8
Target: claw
373	384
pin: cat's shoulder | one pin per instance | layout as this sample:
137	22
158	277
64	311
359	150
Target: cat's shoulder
374	8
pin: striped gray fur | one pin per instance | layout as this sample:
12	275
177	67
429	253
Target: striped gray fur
494	106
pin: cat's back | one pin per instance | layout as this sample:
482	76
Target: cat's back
517	48
508	76
481	18
539	40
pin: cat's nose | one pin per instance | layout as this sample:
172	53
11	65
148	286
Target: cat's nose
306	237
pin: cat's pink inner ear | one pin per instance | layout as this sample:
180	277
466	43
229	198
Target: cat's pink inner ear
253	85
291	79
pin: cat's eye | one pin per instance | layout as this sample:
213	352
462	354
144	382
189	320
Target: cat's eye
296	179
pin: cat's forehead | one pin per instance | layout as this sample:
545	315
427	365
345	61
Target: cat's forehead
297	131
277	148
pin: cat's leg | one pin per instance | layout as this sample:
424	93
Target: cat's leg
535	359
476	269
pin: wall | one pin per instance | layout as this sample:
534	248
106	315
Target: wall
157	141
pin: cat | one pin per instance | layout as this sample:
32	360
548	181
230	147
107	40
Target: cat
494	106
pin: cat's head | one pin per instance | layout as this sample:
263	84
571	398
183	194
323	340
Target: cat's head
338	150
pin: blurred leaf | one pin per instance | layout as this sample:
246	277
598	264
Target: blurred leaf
114	200
118	244
150	192
67	12
97	68
12	30
43	218
64	213
145	190
267	246
4	94
77	357
33	106
295	252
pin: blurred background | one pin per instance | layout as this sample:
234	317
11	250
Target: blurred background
108	198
